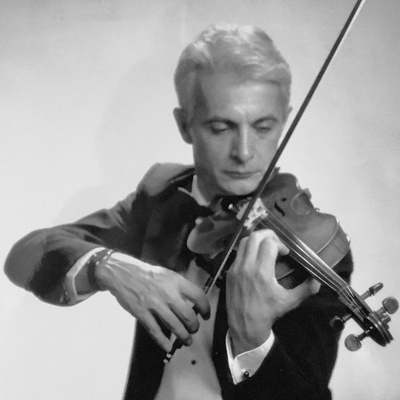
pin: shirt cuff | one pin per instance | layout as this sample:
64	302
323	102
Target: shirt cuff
246	364
70	291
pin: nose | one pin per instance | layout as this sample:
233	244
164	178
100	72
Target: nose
242	148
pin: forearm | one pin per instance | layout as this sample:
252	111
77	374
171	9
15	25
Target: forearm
40	260
299	363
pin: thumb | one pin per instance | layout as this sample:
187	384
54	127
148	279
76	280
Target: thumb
301	292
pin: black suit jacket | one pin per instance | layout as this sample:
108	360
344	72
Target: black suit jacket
153	224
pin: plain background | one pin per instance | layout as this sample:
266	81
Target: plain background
86	100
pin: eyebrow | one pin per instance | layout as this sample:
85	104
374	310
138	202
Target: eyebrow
267	118
230	122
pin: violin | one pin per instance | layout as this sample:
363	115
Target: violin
286	209
315	240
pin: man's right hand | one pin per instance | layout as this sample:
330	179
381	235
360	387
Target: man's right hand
156	296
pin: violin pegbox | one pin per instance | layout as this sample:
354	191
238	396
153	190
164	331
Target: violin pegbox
378	322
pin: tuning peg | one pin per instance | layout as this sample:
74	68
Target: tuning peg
372	291
338	323
390	305
353	342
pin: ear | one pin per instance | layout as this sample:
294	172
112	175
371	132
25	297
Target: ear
182	122
288	112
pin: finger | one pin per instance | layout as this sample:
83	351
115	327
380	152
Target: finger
248	251
239	259
269	234
249	247
153	328
303	291
186	314
268	251
197	297
174	325
282	248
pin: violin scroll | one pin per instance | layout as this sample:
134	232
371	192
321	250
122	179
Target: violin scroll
374	325
338	323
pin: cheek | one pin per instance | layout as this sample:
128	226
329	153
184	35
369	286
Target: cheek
207	152
267	149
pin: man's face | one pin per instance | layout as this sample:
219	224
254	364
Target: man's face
234	132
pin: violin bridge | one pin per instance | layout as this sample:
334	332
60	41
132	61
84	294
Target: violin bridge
257	214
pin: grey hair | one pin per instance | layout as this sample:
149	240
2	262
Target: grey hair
245	50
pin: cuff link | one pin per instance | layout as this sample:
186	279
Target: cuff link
245	374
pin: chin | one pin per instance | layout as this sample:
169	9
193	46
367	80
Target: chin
242	189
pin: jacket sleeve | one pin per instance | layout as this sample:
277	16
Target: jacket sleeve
39	261
301	360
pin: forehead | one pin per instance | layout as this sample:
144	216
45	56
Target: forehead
228	93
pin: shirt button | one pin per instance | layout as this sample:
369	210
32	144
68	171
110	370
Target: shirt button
246	374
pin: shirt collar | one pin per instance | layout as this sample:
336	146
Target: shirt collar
197	195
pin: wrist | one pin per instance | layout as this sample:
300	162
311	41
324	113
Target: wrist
96	262
242	342
112	273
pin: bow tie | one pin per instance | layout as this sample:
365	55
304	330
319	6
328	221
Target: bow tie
202	211
190	209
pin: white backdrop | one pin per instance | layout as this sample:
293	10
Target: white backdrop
86	97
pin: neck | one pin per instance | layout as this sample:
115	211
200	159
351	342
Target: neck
199	195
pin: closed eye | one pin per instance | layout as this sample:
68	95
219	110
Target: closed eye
263	129
217	127
265	125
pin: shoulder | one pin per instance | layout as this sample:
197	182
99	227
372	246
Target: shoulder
162	176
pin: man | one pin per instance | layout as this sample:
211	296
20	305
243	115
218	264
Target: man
256	339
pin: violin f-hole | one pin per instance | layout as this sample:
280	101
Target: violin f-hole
279	209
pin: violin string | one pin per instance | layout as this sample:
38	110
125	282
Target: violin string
323	272
320	270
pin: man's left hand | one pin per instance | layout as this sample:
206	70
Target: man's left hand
255	299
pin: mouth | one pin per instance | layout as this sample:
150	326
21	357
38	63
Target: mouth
240	175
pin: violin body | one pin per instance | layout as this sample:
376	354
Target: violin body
284	199
321	232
